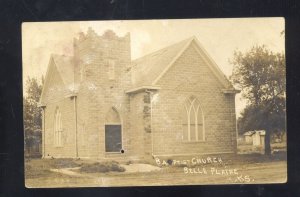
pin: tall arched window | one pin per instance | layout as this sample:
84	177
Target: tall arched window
57	128
113	131
193	120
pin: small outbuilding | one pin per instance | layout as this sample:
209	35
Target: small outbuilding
256	138
259	138
248	137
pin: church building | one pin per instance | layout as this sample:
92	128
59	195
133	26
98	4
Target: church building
101	104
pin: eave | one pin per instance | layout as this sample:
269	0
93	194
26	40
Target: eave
141	88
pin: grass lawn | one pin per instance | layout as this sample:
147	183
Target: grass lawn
237	169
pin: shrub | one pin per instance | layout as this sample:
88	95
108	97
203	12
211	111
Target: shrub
129	162
102	167
64	163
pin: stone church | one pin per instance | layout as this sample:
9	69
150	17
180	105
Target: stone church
99	103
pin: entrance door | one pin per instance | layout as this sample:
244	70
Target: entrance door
113	138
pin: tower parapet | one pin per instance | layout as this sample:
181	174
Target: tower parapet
94	52
100	43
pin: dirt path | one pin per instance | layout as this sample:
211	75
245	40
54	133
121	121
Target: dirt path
70	172
139	167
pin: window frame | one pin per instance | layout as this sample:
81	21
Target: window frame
188	108
58	129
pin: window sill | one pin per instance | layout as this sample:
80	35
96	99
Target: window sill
193	142
113	153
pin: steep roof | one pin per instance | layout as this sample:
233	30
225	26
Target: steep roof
65	67
147	70
250	133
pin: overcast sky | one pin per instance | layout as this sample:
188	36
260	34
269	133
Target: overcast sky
220	37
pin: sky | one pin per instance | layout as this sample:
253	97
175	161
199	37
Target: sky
219	37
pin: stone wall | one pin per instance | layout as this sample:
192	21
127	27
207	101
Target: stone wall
56	99
97	93
190	75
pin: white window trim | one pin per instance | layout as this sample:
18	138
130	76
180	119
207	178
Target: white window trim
188	111
58	128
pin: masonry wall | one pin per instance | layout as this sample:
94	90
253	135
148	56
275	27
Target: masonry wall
97	94
56	99
140	131
191	76
68	134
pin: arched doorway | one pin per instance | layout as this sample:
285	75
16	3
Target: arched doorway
113	131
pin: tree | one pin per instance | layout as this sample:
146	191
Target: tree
32	113
253	118
260	74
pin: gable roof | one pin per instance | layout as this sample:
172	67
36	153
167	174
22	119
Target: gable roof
65	68
147	70
250	133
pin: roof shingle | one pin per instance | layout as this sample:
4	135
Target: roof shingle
65	68
147	68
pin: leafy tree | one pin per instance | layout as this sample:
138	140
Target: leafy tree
260	74
253	118
32	113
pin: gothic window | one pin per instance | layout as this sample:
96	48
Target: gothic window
57	128
193	120
111	69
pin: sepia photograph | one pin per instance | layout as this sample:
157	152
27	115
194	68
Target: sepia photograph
154	102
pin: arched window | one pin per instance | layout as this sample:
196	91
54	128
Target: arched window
113	131
57	128
193	120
